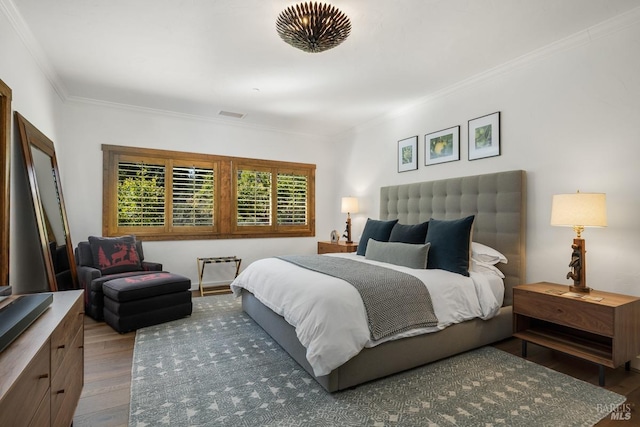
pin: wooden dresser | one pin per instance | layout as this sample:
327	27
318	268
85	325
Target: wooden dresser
42	371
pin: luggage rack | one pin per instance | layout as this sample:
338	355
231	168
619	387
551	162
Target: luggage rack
211	290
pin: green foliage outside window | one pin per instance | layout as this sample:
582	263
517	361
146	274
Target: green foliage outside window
292	199
193	196
140	195
254	197
167	195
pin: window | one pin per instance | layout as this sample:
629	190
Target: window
292	198
193	195
272	198
253	190
165	195
141	200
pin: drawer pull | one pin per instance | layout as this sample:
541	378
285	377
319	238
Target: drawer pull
60	391
60	347
43	376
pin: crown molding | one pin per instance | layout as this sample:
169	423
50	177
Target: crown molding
615	24
9	9
23	31
604	29
177	114
584	37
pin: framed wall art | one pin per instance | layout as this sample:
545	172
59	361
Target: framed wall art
484	136
408	154
442	146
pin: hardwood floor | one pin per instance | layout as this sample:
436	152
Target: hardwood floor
108	359
107	376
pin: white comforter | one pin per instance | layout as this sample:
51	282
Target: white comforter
328	313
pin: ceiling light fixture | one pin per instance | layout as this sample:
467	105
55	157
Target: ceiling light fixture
313	27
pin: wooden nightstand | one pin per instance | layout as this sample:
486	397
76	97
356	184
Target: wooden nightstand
332	248
605	332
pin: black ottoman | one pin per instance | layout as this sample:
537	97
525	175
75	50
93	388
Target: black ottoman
134	302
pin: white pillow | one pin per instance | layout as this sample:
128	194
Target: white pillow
485	268
485	254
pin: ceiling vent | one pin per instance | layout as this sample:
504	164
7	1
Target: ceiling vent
231	114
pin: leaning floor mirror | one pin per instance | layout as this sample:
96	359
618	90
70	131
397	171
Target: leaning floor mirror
48	204
5	154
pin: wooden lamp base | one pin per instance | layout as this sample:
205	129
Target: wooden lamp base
579	289
347	231
578	267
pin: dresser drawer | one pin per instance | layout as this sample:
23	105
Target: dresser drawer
64	333
21	404
43	414
66	385
583	315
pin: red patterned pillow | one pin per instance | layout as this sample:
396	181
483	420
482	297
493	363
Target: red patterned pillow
113	255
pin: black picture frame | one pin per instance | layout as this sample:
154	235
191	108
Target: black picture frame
484	136
442	146
408	154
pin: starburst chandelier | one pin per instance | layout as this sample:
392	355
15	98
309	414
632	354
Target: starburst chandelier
313	27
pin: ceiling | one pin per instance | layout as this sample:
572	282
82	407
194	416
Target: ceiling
200	57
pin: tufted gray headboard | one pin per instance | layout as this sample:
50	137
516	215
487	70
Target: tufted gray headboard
498	200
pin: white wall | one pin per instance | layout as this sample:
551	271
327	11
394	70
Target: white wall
570	117
35	98
85	127
79	129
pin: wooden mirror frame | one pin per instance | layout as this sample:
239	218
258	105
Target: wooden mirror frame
30	137
5	169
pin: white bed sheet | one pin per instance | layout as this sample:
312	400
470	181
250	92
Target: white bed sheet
329	316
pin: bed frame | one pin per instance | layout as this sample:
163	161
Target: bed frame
499	202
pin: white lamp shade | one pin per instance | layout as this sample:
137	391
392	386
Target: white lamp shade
579	209
349	205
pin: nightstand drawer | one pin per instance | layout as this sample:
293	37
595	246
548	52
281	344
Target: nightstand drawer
339	247
586	316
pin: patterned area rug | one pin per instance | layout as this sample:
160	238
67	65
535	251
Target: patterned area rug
218	368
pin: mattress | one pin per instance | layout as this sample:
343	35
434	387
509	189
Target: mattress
328	314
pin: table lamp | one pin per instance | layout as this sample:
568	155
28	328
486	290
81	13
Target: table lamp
579	210
349	206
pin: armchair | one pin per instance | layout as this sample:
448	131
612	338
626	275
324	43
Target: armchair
100	260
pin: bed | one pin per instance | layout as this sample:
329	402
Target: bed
497	201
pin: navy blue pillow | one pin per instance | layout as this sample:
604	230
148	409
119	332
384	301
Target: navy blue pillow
376	230
409	233
450	242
